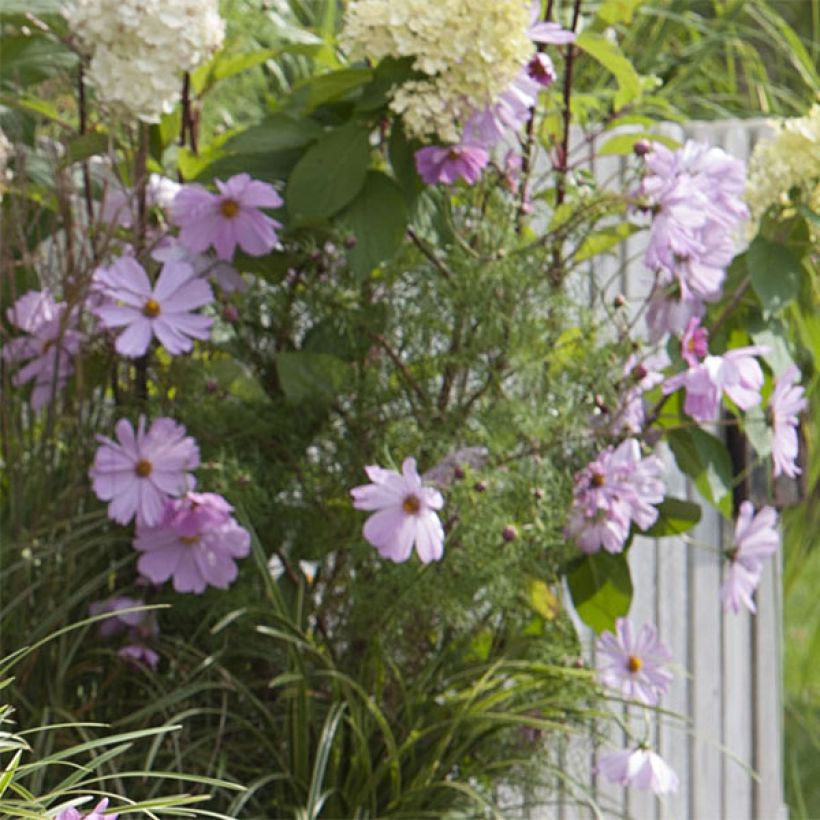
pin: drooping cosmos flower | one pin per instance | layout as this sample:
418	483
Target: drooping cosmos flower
737	374
610	492
756	539
694	345
641	768
448	163
404	513
634	665
46	349
195	544
142	623
137	473
95	814
229	218
785	405
164	311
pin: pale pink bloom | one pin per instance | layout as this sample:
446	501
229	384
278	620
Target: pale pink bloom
785	405
737	374
403	513
509	112
227	277
756	539
164	311
641	768
448	163
634	665
610	492
546	33
95	814
196	544
139	655
643	375
227	219
694	345
667	311
140	625
138	472
46	349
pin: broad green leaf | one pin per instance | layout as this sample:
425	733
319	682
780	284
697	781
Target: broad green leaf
402	161
389	73
28	60
603	240
601	589
705	459
330	174
775	273
675	516
85	146
618	11
544	601
336	85
610	56
310	377
378	219
277	132
224	65
774	336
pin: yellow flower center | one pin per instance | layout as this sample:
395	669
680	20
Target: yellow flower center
189	540
143	468
597	480
634	664
151	309
229	208
411	505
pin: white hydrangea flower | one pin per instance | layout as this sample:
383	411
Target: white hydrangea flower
471	50
791	159
139	48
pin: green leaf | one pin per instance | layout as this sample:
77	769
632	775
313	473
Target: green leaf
310	377
389	73
624	143
544	601
675	516
378	219
774	336
610	56
85	146
336	85
775	273
402	160
618	11
277	132
603	240
330	174
28	60
705	459
757	430
601	589
224	65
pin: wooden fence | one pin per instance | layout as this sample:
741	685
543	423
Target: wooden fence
727	748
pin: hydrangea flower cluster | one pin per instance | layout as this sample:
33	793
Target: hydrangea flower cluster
695	196
469	53
47	346
404	513
756	539
791	159
618	488
139	48
188	537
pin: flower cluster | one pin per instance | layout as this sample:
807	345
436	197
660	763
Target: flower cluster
189	537
47	346
404	513
756	539
139	48
695	196
469	53
791	159
618	488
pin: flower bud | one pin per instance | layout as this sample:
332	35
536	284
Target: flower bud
509	533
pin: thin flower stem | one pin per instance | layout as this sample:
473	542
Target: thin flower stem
560	191
436	262
396	359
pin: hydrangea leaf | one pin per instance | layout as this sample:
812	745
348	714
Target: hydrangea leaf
775	273
330	174
675	516
610	56
601	588
705	459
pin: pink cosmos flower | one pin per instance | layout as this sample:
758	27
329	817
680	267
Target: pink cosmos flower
227	277
95	814
447	163
694	345
509	112
643	375
639	767
541	69
737	373
46	349
196	544
756	539
229	218
119	205
546	33
164	311
668	311
137	473
610	492
403	513
139	655
785	405
634	665
138	624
